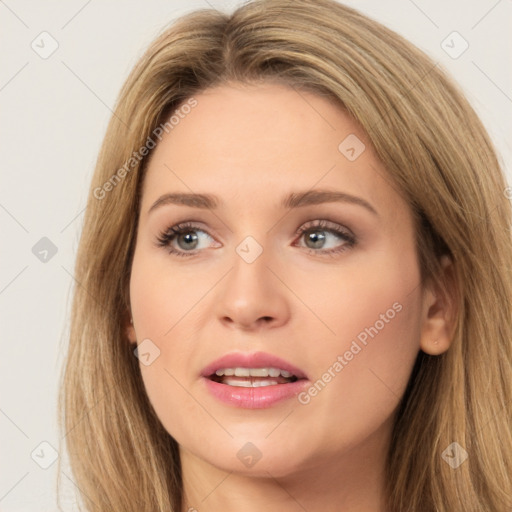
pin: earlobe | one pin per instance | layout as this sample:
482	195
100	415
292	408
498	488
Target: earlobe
130	330
440	312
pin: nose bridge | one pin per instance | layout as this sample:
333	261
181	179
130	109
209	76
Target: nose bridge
251	295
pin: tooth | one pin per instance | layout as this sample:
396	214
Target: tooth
249	383
259	372
239	383
253	372
262	383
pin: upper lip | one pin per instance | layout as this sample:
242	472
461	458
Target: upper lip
251	360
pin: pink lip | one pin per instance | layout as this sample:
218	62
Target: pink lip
253	398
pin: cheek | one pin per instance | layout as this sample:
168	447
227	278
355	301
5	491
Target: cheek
153	298
364	365
164	296
164	306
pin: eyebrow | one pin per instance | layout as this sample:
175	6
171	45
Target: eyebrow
294	200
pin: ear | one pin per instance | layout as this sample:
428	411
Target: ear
129	328
440	312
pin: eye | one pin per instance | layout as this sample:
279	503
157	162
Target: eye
325	237
321	237
184	239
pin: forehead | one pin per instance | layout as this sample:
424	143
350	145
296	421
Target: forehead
252	142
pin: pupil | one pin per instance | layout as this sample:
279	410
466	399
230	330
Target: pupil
316	239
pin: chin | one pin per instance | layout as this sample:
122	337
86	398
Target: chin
258	458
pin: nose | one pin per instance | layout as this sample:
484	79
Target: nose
252	297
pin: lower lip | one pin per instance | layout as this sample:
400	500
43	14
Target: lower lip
255	398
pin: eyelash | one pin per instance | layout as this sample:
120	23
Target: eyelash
165	238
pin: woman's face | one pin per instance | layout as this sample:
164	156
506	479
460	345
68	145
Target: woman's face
293	253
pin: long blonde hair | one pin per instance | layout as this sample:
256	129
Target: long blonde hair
438	155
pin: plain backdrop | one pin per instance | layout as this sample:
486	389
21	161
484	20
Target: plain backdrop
54	112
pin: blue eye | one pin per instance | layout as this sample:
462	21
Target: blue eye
185	236
321	238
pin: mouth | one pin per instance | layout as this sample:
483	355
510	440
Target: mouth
252	377
253	380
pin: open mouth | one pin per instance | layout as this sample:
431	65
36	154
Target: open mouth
254	380
252	377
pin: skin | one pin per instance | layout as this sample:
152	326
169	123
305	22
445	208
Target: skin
250	146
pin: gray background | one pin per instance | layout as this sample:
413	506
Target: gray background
54	113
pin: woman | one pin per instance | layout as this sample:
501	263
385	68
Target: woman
294	278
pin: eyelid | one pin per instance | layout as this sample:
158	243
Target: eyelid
324	224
